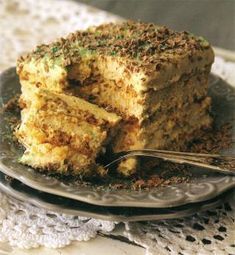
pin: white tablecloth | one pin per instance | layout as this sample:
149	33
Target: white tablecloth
24	24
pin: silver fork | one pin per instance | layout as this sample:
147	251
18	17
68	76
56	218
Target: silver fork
214	162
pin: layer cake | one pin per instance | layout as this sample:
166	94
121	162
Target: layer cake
154	78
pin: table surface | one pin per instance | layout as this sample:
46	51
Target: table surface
97	246
213	19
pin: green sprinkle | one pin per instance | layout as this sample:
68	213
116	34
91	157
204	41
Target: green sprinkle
119	36
163	47
38	49
136	55
191	35
83	52
97	33
113	53
145	44
101	43
54	49
203	42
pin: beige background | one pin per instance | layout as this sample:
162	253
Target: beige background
213	19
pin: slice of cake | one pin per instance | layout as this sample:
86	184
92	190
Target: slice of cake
156	79
64	133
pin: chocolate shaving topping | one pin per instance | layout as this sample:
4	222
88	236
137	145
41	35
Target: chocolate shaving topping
143	44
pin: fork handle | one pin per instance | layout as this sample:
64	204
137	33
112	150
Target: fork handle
214	162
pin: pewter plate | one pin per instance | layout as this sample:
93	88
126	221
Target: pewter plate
58	204
205	185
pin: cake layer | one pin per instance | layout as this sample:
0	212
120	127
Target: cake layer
176	139
167	120
161	138
135	136
187	90
64	133
139	55
121	98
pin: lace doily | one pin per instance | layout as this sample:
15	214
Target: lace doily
210	232
26	23
27	226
